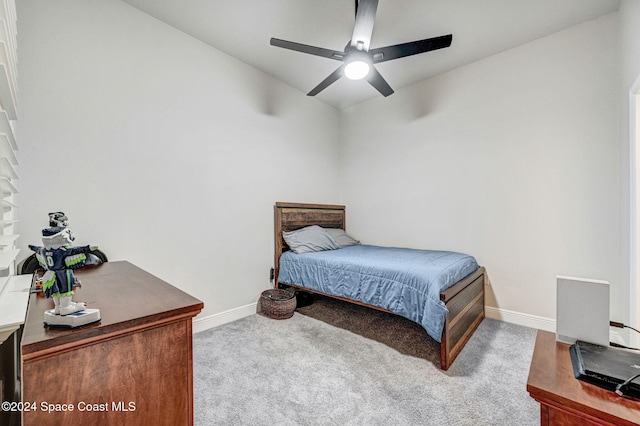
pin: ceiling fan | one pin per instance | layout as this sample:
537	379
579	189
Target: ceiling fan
358	58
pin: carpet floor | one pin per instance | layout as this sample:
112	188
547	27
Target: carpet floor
335	363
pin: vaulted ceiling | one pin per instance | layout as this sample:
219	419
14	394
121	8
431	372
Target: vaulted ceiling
480	28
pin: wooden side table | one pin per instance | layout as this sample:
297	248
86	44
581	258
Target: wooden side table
134	367
565	400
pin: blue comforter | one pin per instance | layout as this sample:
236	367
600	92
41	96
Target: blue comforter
407	282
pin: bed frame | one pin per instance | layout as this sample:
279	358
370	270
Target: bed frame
464	300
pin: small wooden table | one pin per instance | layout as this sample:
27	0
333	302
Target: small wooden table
134	367
565	400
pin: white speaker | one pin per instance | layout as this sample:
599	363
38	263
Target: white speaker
582	310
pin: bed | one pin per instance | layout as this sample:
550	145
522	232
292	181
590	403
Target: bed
458	308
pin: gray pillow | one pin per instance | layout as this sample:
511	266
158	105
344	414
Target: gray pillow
309	239
341	237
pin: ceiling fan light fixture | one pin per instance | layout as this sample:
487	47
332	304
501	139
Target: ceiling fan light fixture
356	70
357	59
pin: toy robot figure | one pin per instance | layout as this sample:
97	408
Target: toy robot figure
59	257
57	220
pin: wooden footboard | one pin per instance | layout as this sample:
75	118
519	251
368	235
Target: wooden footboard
465	302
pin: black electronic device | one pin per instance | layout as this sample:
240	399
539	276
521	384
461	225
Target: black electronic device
607	367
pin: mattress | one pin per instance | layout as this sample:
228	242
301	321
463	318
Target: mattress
408	282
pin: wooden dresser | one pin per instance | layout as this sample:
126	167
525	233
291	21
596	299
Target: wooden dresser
133	368
565	400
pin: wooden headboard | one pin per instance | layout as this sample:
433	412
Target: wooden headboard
292	216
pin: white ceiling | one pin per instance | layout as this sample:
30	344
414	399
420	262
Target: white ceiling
480	28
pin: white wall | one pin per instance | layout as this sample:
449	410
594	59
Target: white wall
630	41
513	159
630	85
162	150
172	153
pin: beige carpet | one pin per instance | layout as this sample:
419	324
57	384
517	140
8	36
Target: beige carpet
357	366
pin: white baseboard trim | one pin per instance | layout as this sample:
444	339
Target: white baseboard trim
534	321
528	320
210	321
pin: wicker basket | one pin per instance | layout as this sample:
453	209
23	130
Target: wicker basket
277	303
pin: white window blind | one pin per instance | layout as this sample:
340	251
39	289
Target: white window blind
14	292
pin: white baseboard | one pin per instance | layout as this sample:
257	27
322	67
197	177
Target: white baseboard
534	321
210	321
527	320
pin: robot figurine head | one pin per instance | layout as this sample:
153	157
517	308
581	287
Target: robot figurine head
58	220
54	238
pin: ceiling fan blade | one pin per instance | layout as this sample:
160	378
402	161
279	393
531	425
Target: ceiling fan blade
332	78
377	81
311	50
363	28
387	53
